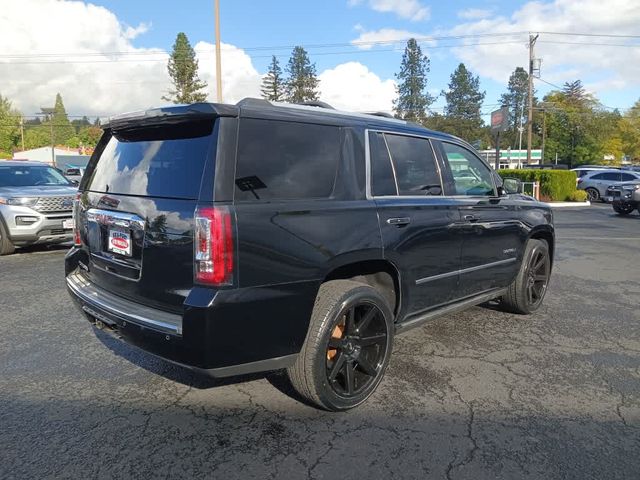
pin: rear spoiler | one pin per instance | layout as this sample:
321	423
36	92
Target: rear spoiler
170	115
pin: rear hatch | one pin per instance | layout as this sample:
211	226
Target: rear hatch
136	210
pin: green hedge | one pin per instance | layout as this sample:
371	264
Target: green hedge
555	185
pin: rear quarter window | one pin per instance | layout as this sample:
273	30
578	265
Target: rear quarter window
159	162
286	161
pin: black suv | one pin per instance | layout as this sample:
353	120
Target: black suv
241	238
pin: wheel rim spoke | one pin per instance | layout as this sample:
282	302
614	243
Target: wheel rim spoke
366	366
350	375
367	319
350	326
337	366
371	340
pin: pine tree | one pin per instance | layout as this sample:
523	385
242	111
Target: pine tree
183	70
412	102
63	131
517	96
464	101
273	86
464	98
302	84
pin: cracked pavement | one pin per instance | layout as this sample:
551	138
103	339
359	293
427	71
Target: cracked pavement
476	395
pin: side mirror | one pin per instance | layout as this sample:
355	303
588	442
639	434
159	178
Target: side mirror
75	182
511	185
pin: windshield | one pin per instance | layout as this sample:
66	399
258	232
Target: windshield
29	175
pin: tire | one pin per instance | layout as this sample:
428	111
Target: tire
593	193
347	348
623	208
6	247
526	293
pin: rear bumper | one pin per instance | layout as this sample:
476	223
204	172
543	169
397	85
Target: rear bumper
220	333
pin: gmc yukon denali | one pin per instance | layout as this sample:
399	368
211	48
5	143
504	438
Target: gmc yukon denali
261	236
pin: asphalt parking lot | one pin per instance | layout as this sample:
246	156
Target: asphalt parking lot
476	395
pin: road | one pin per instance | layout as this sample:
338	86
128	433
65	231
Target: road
476	395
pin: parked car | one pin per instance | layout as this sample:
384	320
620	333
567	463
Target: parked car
74	174
35	205
582	171
624	197
242	238
595	183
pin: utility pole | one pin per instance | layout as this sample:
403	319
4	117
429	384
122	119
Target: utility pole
22	131
520	130
544	134
532	42
218	60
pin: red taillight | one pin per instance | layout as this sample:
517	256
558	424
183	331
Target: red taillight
213	246
77	241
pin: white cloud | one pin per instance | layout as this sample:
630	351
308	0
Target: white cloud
96	84
474	13
385	36
408	9
352	86
594	64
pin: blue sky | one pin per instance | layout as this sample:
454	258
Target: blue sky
287	22
352	76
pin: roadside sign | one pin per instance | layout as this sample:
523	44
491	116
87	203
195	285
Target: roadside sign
500	120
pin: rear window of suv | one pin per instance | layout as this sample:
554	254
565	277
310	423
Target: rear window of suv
163	161
286	160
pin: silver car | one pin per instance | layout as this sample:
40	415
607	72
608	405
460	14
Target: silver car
36	203
595	183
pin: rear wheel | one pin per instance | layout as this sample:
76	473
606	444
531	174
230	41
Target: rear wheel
347	348
623	208
593	193
6	247
527	291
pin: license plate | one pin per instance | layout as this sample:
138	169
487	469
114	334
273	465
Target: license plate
119	242
67	224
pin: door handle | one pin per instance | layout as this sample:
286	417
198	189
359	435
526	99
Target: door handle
399	221
470	218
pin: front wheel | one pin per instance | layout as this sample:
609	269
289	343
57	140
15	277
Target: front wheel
347	348
6	247
527	291
623	208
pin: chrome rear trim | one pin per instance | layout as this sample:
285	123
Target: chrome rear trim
100	299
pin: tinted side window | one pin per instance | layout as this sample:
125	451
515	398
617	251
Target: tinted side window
285	160
626	177
612	176
414	165
470	175
383	181
599	176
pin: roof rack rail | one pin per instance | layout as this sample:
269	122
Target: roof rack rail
253	102
316	103
380	114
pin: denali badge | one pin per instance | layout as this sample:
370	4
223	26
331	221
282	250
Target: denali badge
509	250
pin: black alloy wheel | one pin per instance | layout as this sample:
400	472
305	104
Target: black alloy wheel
538	272
623	208
526	292
348	346
356	349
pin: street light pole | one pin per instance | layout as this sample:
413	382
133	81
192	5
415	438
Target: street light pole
532	42
218	60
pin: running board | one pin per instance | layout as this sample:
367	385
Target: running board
449	309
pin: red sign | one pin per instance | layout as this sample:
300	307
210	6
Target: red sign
121	243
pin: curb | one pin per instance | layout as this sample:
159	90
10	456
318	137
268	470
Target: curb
569	204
